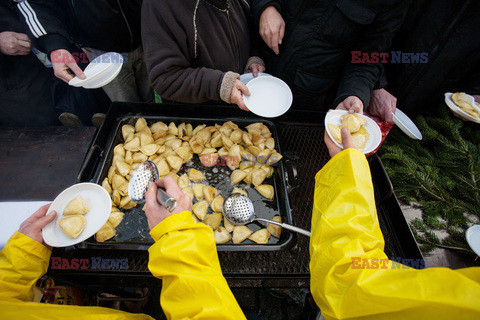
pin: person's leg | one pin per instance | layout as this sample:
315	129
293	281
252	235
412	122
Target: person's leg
144	88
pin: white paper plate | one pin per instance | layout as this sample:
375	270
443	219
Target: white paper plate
473	238
100	71
269	97
246	77
334	117
455	109
97	200
405	124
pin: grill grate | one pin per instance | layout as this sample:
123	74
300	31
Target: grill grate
304	144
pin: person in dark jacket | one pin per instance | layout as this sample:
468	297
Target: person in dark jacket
446	33
195	50
312	43
96	26
25	84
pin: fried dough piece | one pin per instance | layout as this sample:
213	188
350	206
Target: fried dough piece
76	206
72	225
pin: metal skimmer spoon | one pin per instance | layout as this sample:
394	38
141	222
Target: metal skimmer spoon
238	210
138	185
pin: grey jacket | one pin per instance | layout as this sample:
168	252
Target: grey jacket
195	49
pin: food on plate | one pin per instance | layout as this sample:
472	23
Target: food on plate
261	236
240	234
76	206
72	225
213	220
195	175
461	100
274	229
221	235
266	191
200	209
217	204
356	126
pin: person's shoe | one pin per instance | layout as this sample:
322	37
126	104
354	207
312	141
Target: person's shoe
98	119
70	120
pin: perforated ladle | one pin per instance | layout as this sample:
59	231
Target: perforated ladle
238	210
138	185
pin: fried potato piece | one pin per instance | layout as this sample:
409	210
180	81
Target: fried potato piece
217	204
127	130
175	162
133	145
139	157
228	225
198	191
221	235
240	234
195	175
183	152
258	176
241	191
335	131
266	190
105	233
122	167
200	209
273	229
149	149
188	191
351	122
76	206
141	124
237	176
213	220
359	141
106	186
115	218
117	181
162	166
261	236
209	193
183	181
72	225
157	126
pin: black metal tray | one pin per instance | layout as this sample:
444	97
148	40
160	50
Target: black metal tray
132	233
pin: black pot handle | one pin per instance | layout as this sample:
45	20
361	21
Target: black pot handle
89	164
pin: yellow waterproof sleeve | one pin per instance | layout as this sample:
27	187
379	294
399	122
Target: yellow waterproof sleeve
185	257
352	278
22	262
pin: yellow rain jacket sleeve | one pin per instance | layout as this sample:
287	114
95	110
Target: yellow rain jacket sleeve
352	278
185	257
22	262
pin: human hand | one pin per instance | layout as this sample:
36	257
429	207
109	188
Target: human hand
64	65
236	97
255	68
32	227
352	104
14	44
383	105
347	142
272	28
154	211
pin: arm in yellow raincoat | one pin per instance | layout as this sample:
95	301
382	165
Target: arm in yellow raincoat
346	235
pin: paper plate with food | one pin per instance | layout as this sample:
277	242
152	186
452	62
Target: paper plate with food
366	134
82	210
463	105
